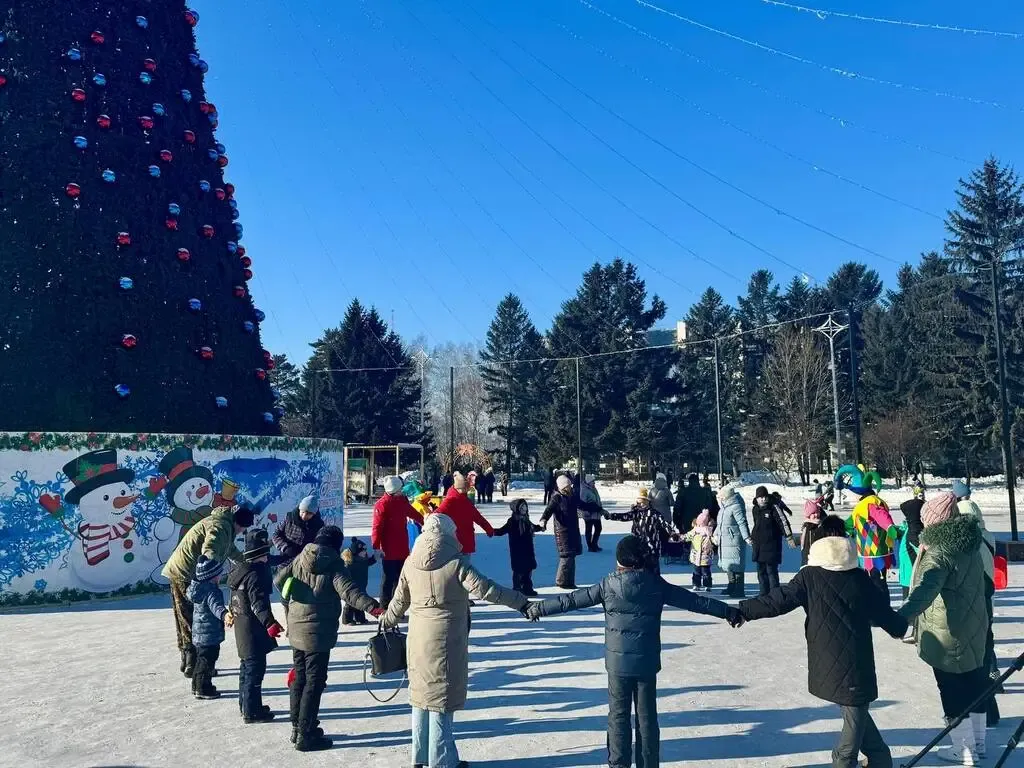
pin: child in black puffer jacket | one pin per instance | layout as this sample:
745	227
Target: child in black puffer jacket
358	561
520	532
256	629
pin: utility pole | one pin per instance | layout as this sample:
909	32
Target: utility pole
718	413
579	421
1004	406
451	411
832	329
852	331
423	406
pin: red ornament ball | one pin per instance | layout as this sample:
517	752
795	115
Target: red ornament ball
184	255
222	161
73	190
248	274
208	231
241	252
78	95
221	194
261	374
204	107
123	238
206	353
103	121
166	156
3	81
149	65
98	37
171	224
191	18
146	122
246	262
128	341
239	291
230	189
190	137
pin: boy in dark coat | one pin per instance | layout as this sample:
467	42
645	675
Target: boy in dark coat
207	624
520	546
633	599
256	629
842	604
358	561
771	526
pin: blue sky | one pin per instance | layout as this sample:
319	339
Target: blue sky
428	156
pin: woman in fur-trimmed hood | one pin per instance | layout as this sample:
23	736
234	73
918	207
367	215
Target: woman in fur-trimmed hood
947	603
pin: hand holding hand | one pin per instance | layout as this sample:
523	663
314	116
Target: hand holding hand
792	542
750	541
229	619
275	630
532	611
734	617
377	612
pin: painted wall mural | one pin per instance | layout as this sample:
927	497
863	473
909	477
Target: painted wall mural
102	512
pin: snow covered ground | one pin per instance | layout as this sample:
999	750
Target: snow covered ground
100	685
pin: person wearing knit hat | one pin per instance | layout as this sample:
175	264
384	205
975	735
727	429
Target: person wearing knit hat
771	526
949	608
460	508
564	507
633	598
592	525
207	624
460	483
732	537
317	583
358	561
650	528
814	513
389	536
255	628
299	528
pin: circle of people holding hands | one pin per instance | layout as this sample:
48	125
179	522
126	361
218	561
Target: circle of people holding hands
426	547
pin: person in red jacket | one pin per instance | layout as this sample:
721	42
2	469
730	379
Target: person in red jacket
388	534
465	515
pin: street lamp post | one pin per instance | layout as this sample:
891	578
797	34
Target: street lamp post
831	330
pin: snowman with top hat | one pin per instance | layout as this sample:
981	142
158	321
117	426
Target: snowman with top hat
108	554
188	488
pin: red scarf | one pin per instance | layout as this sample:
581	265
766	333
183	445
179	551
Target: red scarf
96	538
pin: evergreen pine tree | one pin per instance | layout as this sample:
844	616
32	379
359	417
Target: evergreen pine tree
287	379
800	300
126	306
512	395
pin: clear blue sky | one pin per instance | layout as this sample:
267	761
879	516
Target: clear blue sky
395	150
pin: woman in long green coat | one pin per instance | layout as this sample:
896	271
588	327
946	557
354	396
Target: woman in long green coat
947	605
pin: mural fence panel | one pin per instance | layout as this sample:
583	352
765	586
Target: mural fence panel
96	514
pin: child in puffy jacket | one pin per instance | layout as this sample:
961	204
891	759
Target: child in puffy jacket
358	561
207	625
814	513
702	550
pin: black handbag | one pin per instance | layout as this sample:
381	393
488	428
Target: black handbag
385	655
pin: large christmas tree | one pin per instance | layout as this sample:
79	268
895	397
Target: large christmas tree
125	303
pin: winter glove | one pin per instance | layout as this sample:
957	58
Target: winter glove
734	617
532	611
275	630
377	612
291	677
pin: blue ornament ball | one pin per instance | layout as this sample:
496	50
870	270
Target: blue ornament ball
222	402
145	78
204	186
100	79
221	149
81	142
235	214
268	417
126	283
193	59
195	305
174	209
260	315
249	326
212	154
74	54
232	247
142	22
109	176
158	110
186	95
275	393
154	171
122	390
238	230
212	117
203	67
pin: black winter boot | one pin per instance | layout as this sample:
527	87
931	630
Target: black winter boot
313	740
190	662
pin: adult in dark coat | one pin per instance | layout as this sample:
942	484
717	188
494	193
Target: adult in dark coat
520	530
299	528
842	604
691	500
549	486
256	629
447	482
911	509
771	526
564	507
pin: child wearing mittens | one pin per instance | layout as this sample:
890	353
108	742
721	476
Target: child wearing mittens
207	625
256	629
702	550
358	561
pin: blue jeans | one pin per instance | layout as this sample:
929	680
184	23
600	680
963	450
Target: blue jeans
433	739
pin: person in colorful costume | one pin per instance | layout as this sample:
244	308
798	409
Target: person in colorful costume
871	525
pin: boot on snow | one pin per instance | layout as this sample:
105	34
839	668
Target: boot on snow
964	749
312	739
189	664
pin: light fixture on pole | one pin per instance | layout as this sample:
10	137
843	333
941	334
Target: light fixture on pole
831	330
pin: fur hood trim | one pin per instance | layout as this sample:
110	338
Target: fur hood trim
833	553
956	536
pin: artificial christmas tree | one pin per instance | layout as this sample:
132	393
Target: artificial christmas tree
124	304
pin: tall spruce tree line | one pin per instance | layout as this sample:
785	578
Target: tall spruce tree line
927	373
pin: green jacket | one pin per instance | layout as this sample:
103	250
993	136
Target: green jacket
213	537
947	599
320	582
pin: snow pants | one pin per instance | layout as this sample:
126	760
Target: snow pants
308	688
860	734
522	581
638	696
767	577
250	685
565	576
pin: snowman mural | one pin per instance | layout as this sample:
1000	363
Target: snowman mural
188	488
108	553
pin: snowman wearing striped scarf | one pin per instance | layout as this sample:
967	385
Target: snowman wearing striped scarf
108	553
